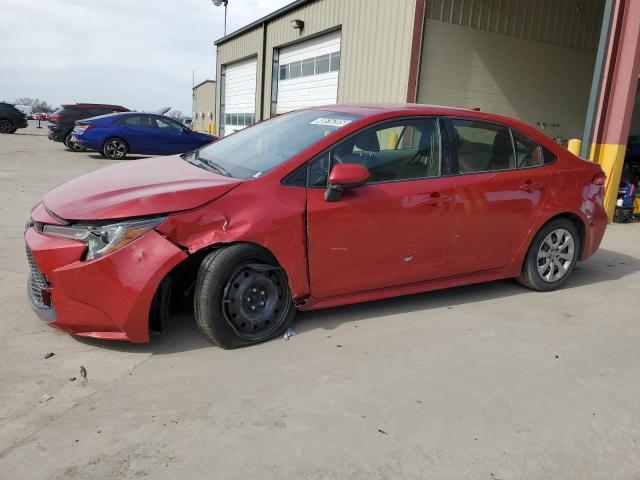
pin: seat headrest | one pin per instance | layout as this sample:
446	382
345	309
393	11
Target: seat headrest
368	141
502	144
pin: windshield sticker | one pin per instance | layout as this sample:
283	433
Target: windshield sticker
331	122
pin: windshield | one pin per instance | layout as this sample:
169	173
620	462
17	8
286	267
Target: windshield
256	150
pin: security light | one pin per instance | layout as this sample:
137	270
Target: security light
297	24
220	3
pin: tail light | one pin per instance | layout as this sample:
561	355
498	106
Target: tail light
599	179
84	127
57	118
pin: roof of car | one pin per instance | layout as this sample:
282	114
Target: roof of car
366	109
94	105
372	109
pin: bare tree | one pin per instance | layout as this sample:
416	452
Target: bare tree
35	103
176	115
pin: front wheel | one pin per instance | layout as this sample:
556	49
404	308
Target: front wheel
6	126
552	256
74	147
242	297
115	149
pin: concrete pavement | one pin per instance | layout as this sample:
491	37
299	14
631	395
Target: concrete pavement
489	381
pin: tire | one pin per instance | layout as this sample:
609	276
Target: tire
231	283
6	126
115	148
552	256
72	146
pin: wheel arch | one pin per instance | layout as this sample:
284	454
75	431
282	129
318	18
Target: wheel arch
117	137
572	217
175	290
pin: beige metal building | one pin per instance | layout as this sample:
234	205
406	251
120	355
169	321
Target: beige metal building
204	107
530	59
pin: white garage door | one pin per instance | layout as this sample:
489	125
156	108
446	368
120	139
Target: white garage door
308	73
239	95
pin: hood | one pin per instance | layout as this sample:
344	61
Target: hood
205	136
137	188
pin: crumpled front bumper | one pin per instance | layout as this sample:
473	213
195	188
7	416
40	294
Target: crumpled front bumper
107	298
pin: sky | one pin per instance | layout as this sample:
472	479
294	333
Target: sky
135	53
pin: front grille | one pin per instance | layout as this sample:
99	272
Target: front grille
37	282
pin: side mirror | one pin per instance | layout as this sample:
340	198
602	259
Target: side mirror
343	176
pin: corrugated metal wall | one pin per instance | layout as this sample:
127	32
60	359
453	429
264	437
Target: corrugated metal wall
567	23
376	46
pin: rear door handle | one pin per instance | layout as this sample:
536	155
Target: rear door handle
531	186
435	198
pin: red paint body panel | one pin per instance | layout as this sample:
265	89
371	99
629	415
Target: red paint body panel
142	187
109	297
378	241
40	214
274	220
492	216
348	174
378	236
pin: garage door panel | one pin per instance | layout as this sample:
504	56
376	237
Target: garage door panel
318	88
239	95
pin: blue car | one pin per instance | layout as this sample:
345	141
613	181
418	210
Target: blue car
117	134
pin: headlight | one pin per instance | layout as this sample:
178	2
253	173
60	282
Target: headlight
102	239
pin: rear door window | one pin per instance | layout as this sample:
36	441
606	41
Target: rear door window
136	121
482	146
93	112
71	113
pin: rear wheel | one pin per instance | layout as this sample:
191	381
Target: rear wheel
74	147
6	126
551	256
242	297
115	148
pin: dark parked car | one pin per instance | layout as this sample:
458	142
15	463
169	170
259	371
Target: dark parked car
117	134
62	121
11	118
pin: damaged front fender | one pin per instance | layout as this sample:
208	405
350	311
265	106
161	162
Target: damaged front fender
244	215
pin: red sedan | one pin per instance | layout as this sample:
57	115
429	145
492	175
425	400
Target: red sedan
313	209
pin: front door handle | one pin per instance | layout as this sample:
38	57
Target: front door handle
531	186
433	199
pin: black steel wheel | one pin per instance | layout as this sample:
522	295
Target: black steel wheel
242	297
6	126
255	300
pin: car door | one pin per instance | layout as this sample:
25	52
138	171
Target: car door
135	130
501	183
171	136
392	231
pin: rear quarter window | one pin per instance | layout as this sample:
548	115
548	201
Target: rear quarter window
548	156
70	112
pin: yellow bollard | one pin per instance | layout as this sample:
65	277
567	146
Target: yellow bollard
574	146
393	141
